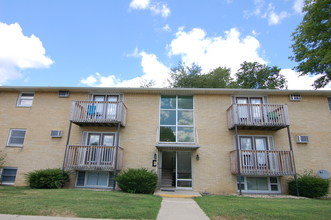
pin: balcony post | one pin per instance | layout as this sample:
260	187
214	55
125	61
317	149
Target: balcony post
116	153
238	157
67	144
291	151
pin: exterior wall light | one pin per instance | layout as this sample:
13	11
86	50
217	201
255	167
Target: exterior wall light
197	157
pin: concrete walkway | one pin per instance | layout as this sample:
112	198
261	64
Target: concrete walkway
180	208
175	205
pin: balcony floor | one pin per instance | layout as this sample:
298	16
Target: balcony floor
97	124
259	127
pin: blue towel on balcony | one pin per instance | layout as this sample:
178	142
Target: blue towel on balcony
91	110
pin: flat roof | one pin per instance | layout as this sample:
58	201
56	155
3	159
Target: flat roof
170	91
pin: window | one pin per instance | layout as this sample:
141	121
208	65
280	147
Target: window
16	137
254	153
96	179
25	99
259	184
249	109
295	97
8	176
104	107
329	101
176	119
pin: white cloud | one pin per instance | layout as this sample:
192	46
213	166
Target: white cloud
266	11
155	7
139	4
275	18
294	81
102	81
211	52
298	5
19	52
166	28
154	71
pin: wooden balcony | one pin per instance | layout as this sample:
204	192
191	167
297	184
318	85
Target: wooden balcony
97	113
93	158
262	163
258	116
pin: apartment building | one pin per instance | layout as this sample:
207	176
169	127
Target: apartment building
220	141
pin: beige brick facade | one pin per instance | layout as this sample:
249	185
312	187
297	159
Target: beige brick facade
211	173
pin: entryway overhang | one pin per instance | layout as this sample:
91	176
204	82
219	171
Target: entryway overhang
163	146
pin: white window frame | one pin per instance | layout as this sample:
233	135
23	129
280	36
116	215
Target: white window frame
87	133
269	191
10	136
1	175
270	141
92	186
21	98
186	126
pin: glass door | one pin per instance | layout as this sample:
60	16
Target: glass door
256	109
243	111
112	107
184	170
100	107
261	145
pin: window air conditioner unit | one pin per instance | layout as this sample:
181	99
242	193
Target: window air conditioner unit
56	133
295	97
302	139
63	94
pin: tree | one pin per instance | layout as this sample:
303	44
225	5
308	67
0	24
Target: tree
191	77
253	75
312	42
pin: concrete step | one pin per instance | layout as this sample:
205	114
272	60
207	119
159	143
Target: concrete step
176	193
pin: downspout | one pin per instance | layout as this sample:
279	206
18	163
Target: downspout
291	150
238	157
116	154
67	144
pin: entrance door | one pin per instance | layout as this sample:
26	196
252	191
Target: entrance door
176	170
184	170
103	110
100	155
249	113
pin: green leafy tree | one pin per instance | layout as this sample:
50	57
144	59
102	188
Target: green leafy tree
191	77
312	42
253	75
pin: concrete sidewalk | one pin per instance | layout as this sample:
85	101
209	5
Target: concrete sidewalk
180	208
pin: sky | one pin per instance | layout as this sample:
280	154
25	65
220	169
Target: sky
123	43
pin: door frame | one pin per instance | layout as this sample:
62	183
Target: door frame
176	170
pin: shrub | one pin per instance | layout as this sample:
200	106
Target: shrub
309	185
137	181
47	179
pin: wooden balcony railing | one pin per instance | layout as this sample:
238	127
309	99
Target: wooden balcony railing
258	116
93	158
98	113
262	163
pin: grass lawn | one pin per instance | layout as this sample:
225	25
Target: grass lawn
233	207
78	203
